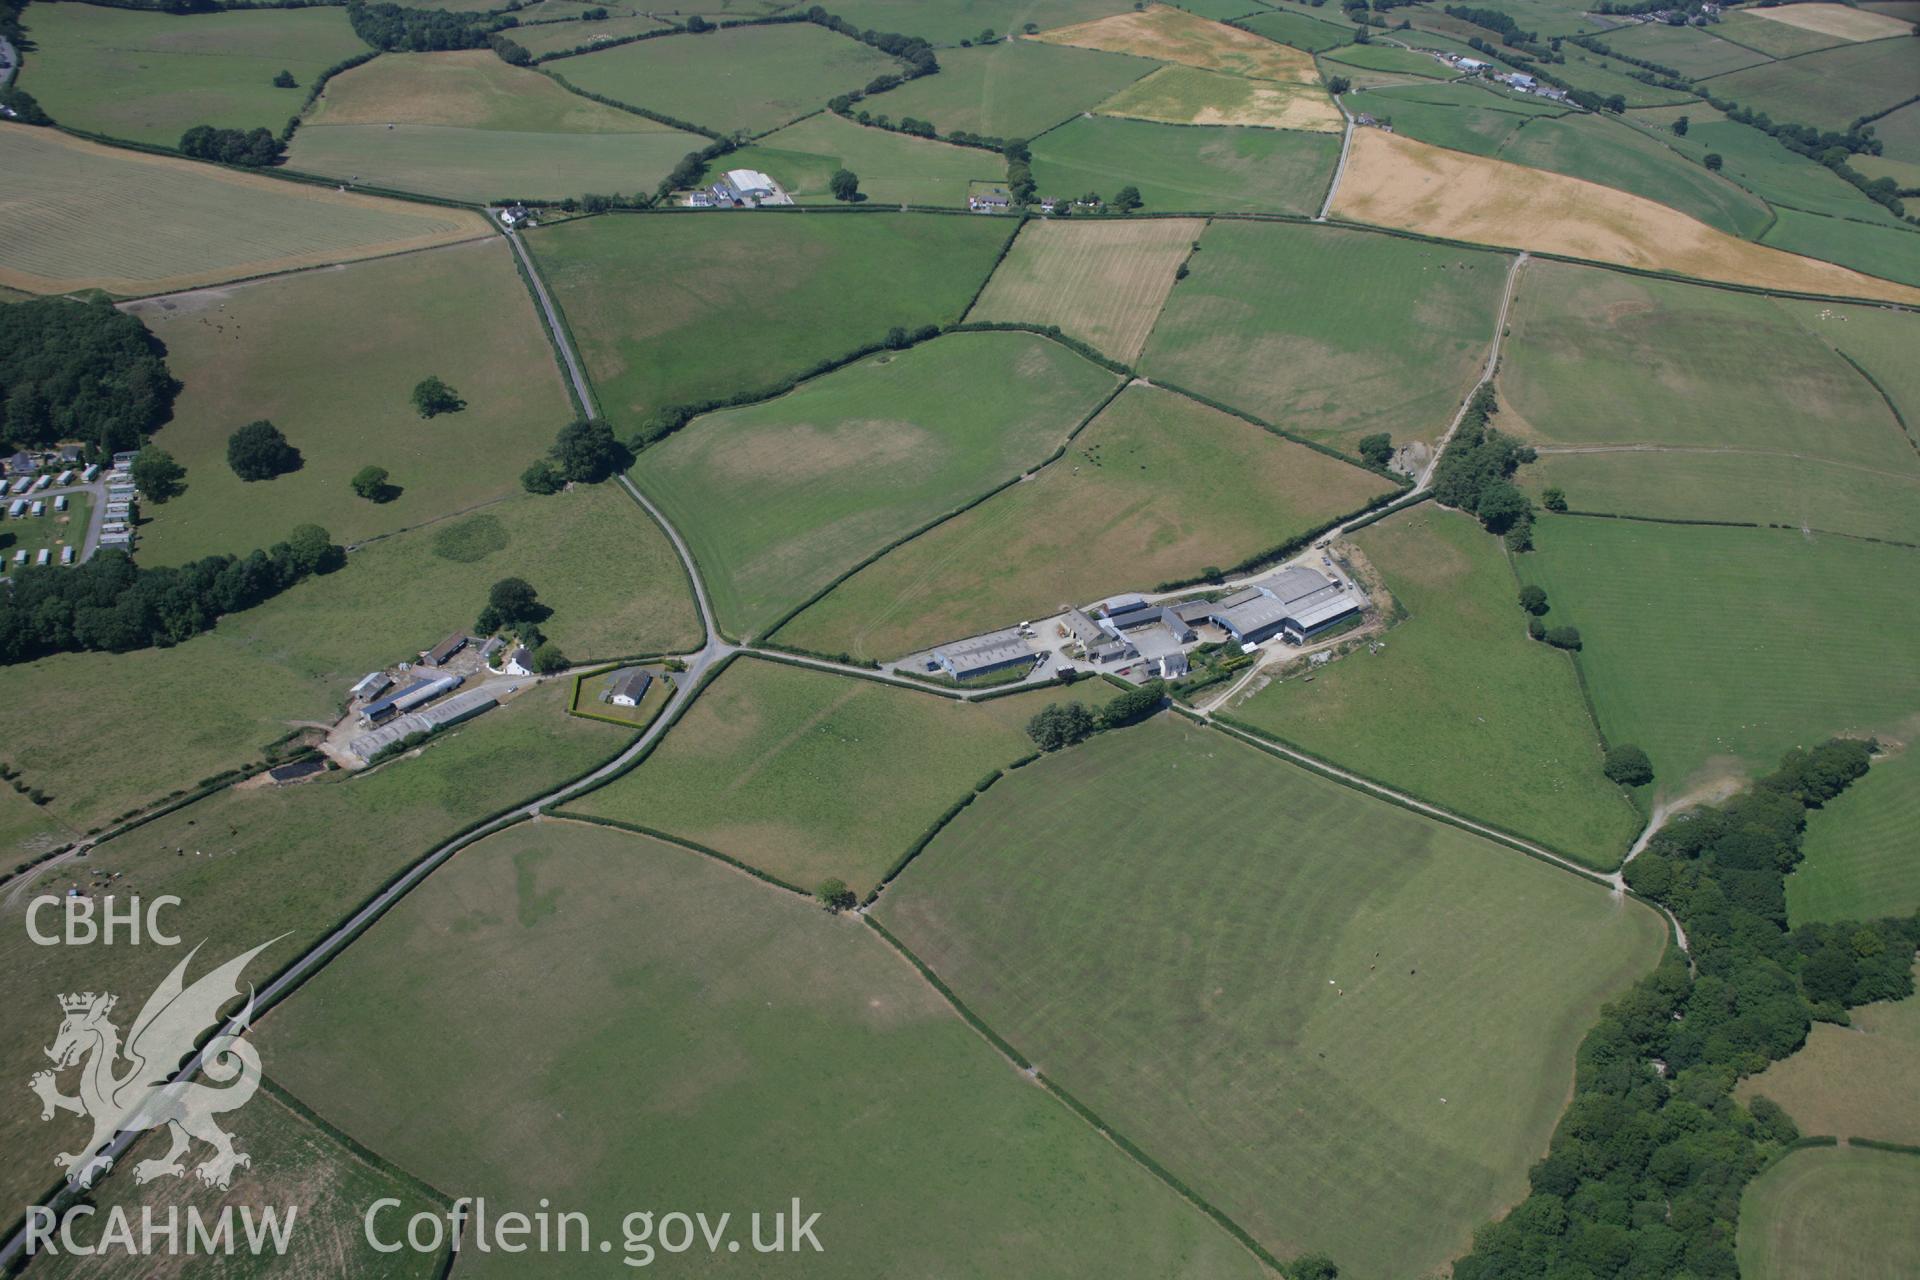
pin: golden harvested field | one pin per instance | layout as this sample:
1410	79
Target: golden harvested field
1190	95
1174	35
470	89
76	215
1840	20
1394	181
1102	282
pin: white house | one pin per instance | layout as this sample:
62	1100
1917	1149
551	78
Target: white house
520	662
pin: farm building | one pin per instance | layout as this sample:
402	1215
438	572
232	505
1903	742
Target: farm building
408	698
631	687
1296	602
739	186
371	685
298	770
979	655
438	655
520	662
449	713
1083	629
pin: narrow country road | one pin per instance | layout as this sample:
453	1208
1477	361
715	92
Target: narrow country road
1340	169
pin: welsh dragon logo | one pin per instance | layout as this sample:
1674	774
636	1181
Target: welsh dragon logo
125	1087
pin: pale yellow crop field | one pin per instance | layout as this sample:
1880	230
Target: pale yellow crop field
1174	35
1835	20
1190	95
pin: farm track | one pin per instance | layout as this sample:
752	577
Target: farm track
714	650
1340	169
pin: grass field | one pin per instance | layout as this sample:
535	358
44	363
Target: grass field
1461	117
1695	52
1459	707
805	774
295	1163
1189	95
952	21
638	293
1828	89
1900	131
247	352
1755	161
1775	39
751	78
1223	906
75	215
1707	482
736	1017
1597	357
1299	30
219	698
1174	35
1843	20
1880	341
1600	150
1832	1211
470	127
26	829
251	864
1607	76
1884	251
1859	848
894	168
1158	487
1379	57
540	38
1181	170
1398	182
1854	1081
779	498
1251	326
1101	281
152	76
1012	89
1716	650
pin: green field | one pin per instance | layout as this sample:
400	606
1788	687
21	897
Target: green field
1881	341
1828	89
80	216
1459	708
1832	1211
26	829
1330	333
218	699
1013	89
780	498
1755	161
806	774
1775	39
295	1162
1462	117
1181	169
1695	52
152	76
1900	131
251	864
1547	17
1170	922
743	78
951	21
245	353
1716	650
1708	483
758	1050
1299	30
1600	150
1597	357
894	168
1884	251
647	298
554	37
1380	57
1158	488
1860	853
1607	77
469	127
1854	1081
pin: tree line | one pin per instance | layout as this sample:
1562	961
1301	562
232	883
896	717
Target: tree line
109	603
1644	1174
80	371
1475	473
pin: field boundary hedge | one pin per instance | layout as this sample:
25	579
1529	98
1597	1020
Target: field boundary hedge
293	1103
938	825
1906	428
